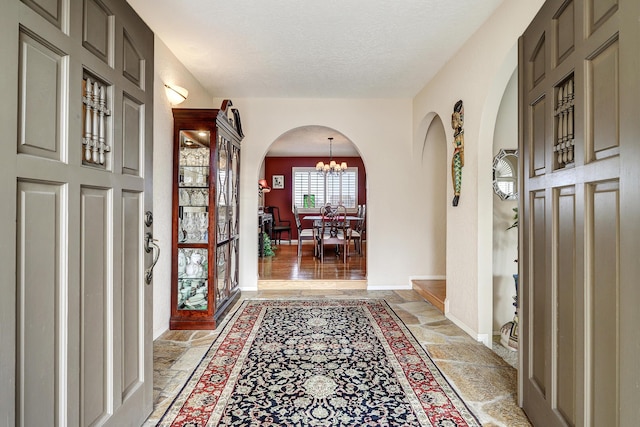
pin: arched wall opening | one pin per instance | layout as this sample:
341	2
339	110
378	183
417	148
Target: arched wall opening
505	240
303	147
485	193
432	184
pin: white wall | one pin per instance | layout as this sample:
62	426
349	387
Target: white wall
505	242
171	71
381	131
390	135
477	74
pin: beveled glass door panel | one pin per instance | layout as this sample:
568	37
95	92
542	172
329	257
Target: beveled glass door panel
233	265
222	190
235	189
222	273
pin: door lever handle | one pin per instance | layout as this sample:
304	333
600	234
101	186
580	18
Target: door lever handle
150	245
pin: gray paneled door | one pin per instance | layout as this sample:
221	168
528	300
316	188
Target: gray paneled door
75	168
580	228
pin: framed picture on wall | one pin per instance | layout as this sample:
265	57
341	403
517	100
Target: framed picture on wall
278	182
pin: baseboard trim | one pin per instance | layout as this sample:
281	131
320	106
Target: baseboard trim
427	278
311	284
389	287
483	338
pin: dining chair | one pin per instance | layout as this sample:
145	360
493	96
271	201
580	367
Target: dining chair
303	233
333	230
279	225
356	233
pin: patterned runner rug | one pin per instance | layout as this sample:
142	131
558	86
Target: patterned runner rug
317	363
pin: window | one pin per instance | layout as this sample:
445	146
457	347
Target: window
312	189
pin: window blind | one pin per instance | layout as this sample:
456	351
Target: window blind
312	189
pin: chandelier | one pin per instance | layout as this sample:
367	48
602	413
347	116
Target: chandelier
332	166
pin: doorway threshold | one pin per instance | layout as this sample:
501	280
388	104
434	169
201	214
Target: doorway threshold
311	284
434	291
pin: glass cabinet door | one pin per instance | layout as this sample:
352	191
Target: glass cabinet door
193	219
235	219
223	218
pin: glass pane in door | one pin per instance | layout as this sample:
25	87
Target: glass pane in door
193	188
235	190
222	273
233	267
192	279
222	190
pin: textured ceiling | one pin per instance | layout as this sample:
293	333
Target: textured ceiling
312	141
314	49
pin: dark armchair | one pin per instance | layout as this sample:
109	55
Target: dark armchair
279	225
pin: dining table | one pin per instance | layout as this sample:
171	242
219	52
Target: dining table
317	224
319	217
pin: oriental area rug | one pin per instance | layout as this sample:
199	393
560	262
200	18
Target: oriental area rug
319	362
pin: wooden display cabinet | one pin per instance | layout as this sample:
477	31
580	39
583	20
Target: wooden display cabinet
204	278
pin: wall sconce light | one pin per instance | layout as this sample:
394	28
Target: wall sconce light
176	94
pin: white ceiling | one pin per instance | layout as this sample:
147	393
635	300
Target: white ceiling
314	49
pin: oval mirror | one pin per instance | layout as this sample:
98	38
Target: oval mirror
505	174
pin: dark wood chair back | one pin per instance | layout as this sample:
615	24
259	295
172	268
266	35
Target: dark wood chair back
279	225
333	230
303	233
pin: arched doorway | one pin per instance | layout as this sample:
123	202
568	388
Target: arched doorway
432	184
505	238
290	165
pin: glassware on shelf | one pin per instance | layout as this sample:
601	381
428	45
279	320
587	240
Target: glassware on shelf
190	226
194	166
199	197
182	263
192	294
193	196
201	178
185	198
195	263
193	227
192	279
203	225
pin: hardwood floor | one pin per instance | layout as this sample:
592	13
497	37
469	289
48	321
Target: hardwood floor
434	291
285	270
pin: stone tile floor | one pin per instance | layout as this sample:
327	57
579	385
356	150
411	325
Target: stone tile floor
483	379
